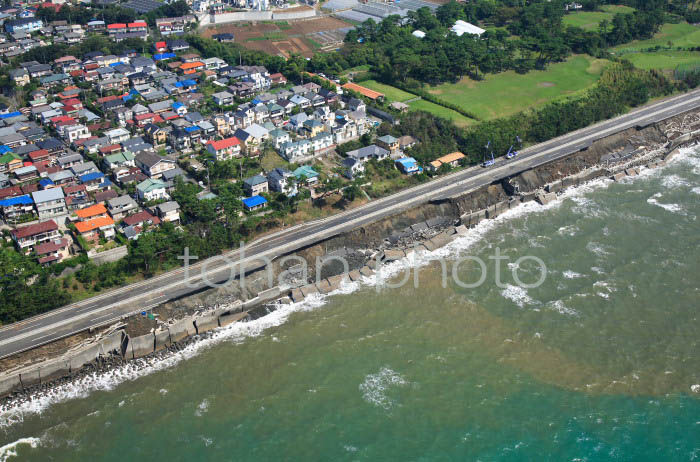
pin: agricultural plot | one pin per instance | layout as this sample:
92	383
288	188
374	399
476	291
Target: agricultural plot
287	37
507	93
416	104
589	20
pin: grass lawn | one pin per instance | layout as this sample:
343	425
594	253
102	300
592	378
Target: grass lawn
663	59
355	70
680	35
440	111
507	93
396	94
614	9
589	20
391	93
271	160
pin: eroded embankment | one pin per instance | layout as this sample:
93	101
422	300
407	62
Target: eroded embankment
323	266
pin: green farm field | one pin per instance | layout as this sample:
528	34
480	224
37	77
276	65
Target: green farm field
507	93
395	94
589	20
678	35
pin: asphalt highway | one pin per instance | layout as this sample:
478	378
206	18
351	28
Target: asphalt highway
116	304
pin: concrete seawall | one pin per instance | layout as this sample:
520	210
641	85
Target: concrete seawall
117	345
463	212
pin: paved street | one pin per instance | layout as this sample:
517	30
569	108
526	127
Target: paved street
115	304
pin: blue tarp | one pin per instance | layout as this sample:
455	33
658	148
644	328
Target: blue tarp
10	114
191	129
5	149
91	176
254	201
46	182
19	200
162	56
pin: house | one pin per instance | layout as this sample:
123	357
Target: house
399	106
279	137
20	77
312	127
23	25
306	174
254	203
76	132
26	173
168	211
278	79
352	167
366	92
10	162
153	165
38	233
369	152
452	160
50	202
141	219
121	206
118	160
156	135
225	37
15	208
282	180
255	185
94	211
222	98
225	149
295	151
91	230
150	189
52	252
117	135
160	47
389	142
407	142
408	165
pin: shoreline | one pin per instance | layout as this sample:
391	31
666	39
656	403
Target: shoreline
109	373
428	239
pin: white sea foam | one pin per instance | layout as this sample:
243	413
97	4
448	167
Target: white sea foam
568	230
10	450
568	274
674	208
375	386
517	295
239	331
560	307
202	408
674	181
597	248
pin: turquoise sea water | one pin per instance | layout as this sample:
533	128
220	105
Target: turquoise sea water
599	363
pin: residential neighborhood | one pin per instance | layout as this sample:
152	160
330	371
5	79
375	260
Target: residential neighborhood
105	139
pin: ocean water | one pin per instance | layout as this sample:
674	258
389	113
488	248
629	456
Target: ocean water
601	362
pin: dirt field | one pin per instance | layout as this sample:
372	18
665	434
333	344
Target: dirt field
281	38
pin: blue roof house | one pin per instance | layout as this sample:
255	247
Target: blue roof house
254	203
